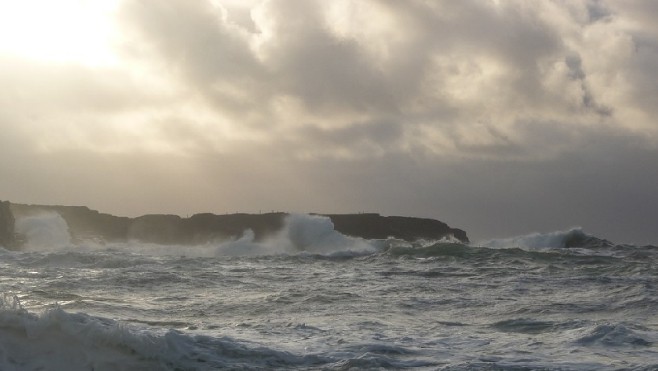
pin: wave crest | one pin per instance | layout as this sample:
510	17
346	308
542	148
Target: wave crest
574	237
301	233
60	340
620	334
44	231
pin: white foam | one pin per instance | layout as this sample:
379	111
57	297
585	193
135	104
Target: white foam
533	240
45	231
59	340
301	233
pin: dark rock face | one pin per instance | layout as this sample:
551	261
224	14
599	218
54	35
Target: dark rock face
85	224
161	229
7	221
202	226
375	226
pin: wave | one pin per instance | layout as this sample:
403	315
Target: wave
60	340
445	249
623	260
44	231
574	237
472	254
532	326
616	335
301	234
304	234
57	339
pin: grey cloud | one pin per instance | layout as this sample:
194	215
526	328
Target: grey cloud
216	57
367	139
193	38
437	79
331	74
505	118
636	71
577	73
607	187
642	77
193	41
597	11
642	11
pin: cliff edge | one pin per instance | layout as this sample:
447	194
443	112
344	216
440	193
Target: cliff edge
7	223
88	224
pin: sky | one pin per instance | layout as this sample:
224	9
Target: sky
500	117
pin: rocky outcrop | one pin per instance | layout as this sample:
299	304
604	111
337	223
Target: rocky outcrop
375	226
202	226
7	238
87	224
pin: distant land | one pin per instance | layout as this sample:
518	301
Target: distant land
88	224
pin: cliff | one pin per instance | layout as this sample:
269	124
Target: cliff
86	224
375	226
7	238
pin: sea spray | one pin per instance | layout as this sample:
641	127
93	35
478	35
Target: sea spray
301	234
574	237
45	230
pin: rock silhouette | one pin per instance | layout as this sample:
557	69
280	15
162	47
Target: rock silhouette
88	224
7	238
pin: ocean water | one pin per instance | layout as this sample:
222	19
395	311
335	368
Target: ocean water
311	298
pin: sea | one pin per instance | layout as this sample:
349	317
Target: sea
310	298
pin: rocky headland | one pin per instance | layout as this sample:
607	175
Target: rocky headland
7	225
88	224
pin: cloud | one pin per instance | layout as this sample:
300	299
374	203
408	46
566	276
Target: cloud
466	106
469	79
465	78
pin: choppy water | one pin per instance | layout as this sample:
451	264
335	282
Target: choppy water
340	303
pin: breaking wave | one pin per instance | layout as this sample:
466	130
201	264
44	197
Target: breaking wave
301	234
574	237
304	234
60	340
45	231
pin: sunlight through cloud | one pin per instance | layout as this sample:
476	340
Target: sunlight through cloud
67	31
